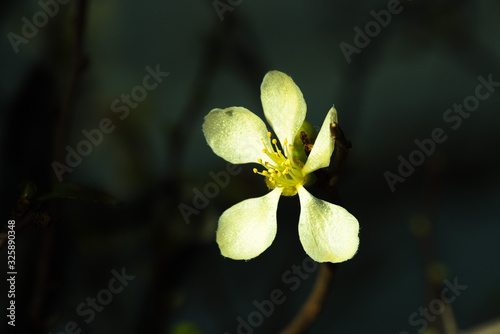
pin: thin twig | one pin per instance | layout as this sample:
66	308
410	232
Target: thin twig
80	63
314	303
42	275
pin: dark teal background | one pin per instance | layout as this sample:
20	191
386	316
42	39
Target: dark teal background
394	91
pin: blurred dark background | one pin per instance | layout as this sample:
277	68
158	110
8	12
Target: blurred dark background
117	211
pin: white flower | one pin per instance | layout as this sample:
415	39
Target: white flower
327	232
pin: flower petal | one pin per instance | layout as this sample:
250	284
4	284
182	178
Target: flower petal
327	232
283	104
235	134
323	146
249	227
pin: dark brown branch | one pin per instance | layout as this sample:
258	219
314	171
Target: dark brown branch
38	301
80	63
314	303
342	148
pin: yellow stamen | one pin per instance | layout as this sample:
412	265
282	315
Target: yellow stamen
280	170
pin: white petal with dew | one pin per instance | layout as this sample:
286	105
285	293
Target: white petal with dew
323	146
249	227
283	104
327	232
235	134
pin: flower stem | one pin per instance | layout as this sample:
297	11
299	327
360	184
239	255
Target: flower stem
314	303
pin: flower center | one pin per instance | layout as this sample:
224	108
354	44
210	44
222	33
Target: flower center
282	169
